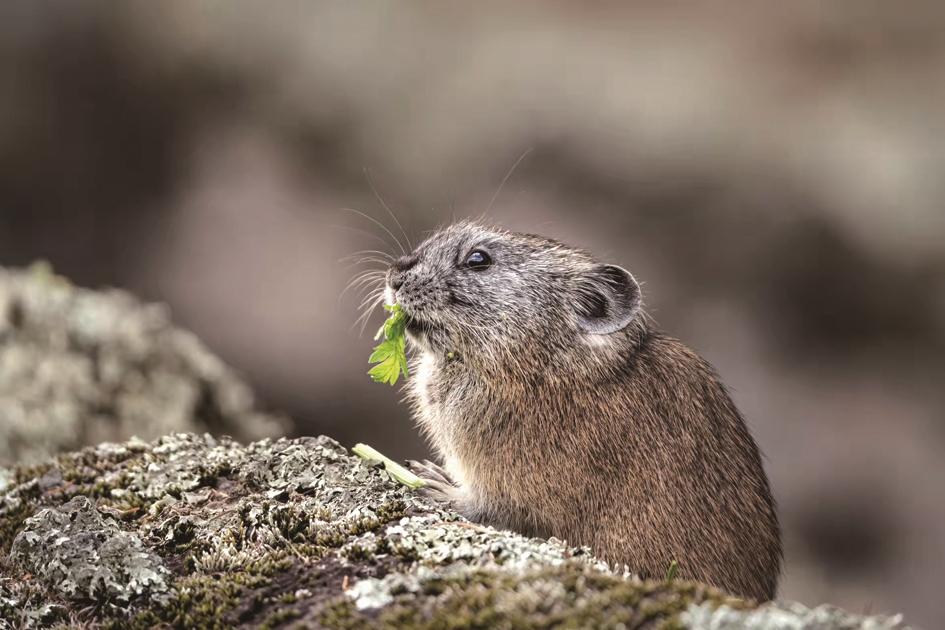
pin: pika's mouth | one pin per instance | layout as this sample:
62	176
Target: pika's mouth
424	332
419	326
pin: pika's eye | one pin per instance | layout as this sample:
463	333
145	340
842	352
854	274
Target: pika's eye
478	260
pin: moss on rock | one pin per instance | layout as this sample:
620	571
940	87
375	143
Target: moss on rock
198	532
15	508
26	604
570	595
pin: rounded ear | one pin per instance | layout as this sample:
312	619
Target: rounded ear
608	299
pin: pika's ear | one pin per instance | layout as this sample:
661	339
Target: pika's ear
608	299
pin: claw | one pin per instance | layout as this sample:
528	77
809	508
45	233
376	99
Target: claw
438	484
431	472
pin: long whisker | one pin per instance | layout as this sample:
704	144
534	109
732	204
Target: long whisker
363	280
383	255
506	178
360	279
371	272
360	231
365	259
371	290
367	303
378	293
370	181
377	300
380	225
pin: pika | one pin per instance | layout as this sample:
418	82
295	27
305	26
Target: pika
557	409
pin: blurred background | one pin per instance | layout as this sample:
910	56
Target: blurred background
774	174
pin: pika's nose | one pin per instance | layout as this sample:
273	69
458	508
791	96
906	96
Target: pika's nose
401	265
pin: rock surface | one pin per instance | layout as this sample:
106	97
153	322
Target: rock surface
194	531
78	367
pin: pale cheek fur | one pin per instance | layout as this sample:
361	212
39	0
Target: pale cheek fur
598	341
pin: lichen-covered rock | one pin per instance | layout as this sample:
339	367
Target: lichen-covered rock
784	616
300	533
78	367
84	556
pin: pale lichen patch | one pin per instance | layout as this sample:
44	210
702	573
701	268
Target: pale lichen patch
786	615
85	556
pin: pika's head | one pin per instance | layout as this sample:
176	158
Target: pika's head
486	292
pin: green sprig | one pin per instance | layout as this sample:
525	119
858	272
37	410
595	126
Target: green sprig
672	571
394	469
391	354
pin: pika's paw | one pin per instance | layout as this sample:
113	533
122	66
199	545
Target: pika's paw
431	472
438	485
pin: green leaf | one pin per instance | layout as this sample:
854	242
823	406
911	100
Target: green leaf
391	354
386	372
381	353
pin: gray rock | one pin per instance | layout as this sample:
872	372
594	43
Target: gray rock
784	616
78	367
195	531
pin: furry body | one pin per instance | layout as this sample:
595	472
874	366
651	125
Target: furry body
558	410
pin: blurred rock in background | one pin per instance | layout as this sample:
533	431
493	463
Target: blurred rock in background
81	367
772	174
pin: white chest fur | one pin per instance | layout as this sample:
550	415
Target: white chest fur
436	416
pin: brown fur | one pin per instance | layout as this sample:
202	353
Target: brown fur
626	441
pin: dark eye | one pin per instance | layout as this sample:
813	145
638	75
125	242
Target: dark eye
478	260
